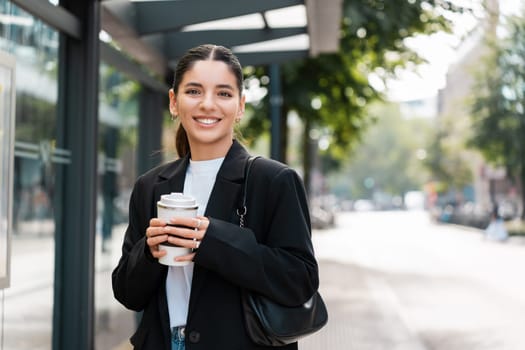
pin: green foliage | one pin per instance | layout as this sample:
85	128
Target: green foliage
256	119
498	107
395	145
371	41
498	110
448	160
118	91
488	109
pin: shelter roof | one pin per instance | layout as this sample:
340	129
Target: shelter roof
156	32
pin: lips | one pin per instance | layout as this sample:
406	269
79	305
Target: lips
206	120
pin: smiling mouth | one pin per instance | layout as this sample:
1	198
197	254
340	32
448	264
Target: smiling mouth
207	121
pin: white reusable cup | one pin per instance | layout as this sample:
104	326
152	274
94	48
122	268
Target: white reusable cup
173	205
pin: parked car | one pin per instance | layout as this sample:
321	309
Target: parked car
364	205
322	212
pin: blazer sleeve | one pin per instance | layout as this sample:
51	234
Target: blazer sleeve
138	274
275	255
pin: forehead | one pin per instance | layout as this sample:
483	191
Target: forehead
210	73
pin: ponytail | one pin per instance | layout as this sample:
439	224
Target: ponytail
181	142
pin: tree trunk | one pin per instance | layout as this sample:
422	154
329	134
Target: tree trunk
284	134
307	157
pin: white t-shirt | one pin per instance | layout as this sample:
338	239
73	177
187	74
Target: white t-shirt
200	178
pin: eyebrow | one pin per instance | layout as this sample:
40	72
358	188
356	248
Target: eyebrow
219	86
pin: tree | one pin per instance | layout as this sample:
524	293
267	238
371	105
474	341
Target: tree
448	158
372	42
396	145
498	109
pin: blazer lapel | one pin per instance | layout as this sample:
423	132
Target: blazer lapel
170	180
222	205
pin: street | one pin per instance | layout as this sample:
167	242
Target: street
391	281
394	280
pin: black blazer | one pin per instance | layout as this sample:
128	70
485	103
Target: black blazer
273	255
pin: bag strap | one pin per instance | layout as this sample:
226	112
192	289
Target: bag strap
243	210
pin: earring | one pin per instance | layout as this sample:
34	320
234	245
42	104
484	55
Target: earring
173	117
237	120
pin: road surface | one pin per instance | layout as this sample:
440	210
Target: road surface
395	280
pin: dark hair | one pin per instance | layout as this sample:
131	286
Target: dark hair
186	62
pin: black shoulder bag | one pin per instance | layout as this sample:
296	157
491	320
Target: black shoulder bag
269	323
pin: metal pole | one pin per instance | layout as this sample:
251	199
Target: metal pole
76	186
276	101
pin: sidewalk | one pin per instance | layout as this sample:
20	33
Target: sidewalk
362	313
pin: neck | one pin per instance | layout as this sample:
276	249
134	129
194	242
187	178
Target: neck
207	152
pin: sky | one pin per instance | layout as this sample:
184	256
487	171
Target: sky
441	50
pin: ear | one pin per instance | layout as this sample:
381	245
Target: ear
242	105
173	102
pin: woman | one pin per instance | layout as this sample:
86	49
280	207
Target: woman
198	306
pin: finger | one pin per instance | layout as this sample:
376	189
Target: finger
182	232
181	242
187	227
182	221
157	222
199	222
155	231
156	240
200	231
157	253
187	257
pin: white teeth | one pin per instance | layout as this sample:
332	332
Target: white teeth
207	121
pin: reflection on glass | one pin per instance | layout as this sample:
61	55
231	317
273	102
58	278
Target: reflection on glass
7	66
29	300
116	169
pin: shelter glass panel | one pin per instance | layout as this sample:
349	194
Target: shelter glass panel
28	302
116	175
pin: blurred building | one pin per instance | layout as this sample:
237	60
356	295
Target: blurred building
488	184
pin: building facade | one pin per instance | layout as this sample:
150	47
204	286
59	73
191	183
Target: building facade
43	158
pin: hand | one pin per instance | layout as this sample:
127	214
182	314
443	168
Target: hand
156	234
187	232
188	236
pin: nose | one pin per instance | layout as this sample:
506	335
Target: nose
208	101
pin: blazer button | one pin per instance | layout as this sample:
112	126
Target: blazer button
194	337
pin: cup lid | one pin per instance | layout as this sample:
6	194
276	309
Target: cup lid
178	199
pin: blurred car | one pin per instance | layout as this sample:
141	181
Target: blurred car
364	205
321	218
322	211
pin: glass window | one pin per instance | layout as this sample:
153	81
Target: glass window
29	299
117	172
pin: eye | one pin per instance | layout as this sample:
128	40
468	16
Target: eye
225	94
192	92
